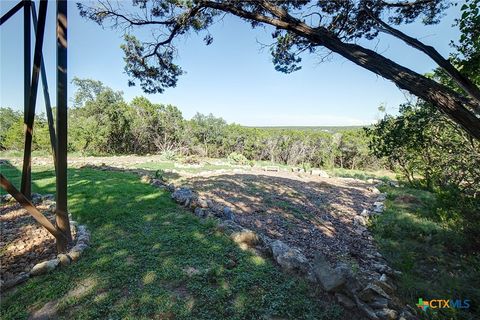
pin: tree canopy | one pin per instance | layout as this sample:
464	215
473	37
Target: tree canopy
299	26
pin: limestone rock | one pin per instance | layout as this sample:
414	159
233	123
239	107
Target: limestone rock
379	303
378	207
387	314
74	255
229	227
228	214
183	196
64	259
359	230
366	309
382	197
393	184
344	300
359	221
157	183
388	288
7	198
245	236
77	251
382	268
372	291
290	259
146	179
330	279
44	267
320	173
199	212
22	277
365	213
202	203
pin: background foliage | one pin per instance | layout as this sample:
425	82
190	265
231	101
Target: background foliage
102	122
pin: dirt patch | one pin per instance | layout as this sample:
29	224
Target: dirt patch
311	213
23	241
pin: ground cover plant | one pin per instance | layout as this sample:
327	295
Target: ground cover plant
429	251
150	258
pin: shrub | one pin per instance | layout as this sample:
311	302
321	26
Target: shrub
168	155
237	158
191	160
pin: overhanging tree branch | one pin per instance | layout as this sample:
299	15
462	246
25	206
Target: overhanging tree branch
448	101
355	24
460	79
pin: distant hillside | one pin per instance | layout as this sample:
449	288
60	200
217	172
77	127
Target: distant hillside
319	128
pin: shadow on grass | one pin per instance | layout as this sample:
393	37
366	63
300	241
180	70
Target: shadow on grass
428	253
149	259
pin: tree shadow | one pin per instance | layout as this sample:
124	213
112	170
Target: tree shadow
149	258
312	215
24	242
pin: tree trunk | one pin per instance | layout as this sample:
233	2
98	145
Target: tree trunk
448	101
445	99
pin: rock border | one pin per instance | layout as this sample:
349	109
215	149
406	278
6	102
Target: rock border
375	299
82	241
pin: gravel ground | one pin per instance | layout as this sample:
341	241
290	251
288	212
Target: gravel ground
23	241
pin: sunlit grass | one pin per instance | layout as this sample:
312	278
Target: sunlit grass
428	252
362	175
142	243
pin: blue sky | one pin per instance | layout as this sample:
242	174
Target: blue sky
232	78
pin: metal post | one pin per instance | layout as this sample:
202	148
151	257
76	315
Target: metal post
11	12
26	175
30	115
61	210
46	95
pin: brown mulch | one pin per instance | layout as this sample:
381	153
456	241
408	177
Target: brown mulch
311	213
23	241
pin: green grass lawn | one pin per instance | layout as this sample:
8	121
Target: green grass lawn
361	174
171	165
150	259
427	249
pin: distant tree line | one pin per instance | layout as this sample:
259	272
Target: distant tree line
102	122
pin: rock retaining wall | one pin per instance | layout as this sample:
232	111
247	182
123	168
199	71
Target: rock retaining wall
375	298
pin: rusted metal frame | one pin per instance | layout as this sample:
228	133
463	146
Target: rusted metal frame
26	173
46	95
37	215
62	220
11	12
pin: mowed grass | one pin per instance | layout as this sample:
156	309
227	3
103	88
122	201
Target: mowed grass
150	259
427	249
362	175
164	165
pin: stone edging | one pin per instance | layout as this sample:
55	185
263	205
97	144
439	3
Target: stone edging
376	300
82	241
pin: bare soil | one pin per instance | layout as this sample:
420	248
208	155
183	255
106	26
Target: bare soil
23	242
312	213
